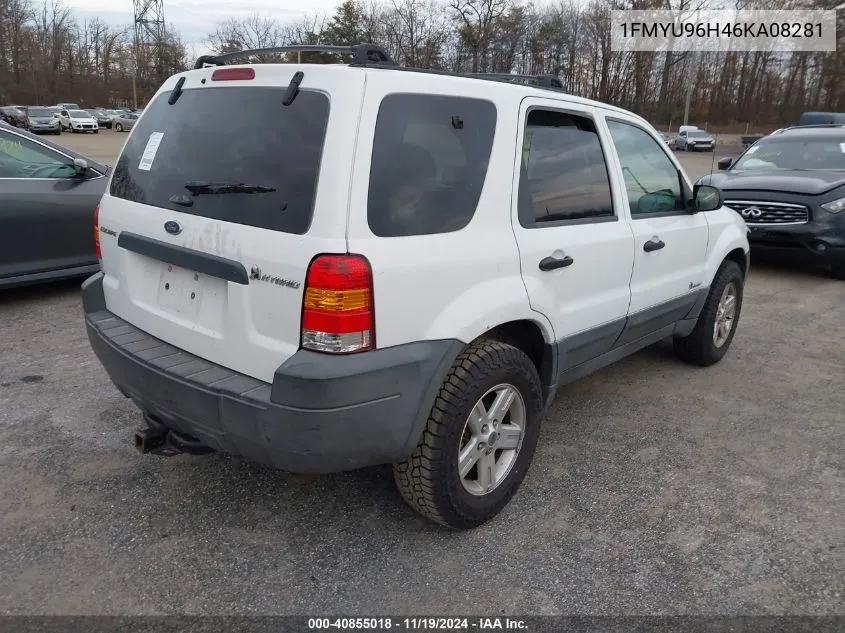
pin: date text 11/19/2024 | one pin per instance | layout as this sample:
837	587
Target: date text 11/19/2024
417	624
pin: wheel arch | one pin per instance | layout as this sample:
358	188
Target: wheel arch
740	257
535	341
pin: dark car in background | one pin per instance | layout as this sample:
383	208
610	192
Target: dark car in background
102	117
790	189
43	120
47	199
821	118
13	115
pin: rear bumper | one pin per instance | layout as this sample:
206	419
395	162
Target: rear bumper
321	414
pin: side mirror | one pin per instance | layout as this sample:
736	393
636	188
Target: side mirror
725	163
706	198
80	166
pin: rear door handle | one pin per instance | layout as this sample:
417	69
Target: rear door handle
654	244
553	263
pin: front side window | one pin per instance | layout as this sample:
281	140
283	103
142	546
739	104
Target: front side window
563	175
429	163
652	181
21	158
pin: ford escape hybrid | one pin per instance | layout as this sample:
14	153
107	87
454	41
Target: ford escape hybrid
371	264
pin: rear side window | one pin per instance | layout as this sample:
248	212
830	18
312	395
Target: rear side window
429	162
228	136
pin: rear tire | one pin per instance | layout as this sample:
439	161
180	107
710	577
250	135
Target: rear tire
118	128
706	345
430	480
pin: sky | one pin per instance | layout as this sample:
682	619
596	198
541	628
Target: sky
194	19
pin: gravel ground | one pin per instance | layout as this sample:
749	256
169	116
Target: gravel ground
657	488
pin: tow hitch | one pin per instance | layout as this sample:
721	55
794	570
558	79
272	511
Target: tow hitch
160	440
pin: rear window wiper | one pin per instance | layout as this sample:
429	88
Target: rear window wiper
202	187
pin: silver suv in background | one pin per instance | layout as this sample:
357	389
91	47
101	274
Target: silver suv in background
693	140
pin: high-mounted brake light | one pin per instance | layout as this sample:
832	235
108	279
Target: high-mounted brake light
233	74
337	307
97	232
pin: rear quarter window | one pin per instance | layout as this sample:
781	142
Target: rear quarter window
229	135
429	163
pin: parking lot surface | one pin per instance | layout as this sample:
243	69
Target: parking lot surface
657	488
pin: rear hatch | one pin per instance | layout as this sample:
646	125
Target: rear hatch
219	202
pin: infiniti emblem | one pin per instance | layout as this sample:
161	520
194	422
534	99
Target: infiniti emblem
174	228
751	212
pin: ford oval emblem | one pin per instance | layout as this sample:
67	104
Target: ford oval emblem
174	228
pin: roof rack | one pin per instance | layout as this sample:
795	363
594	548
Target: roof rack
372	56
540	81
547	82
799	127
362	54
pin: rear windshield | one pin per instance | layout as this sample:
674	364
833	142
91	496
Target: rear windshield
429	162
228	136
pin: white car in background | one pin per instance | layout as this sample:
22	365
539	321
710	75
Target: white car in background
78	121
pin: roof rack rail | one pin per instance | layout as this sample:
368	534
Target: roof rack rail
798	127
362	54
542	81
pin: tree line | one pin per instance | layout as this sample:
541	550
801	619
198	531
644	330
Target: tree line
46	55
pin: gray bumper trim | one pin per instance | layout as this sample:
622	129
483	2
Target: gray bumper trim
322	413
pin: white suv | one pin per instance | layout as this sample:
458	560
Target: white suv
324	267
78	121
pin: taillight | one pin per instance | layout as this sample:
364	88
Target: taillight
97	232
337	308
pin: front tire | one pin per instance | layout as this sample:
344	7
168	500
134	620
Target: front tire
118	128
838	270
479	438
714	331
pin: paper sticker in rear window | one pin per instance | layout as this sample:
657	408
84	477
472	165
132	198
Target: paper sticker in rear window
150	151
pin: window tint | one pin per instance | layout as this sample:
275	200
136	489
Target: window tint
652	181
429	162
266	144
21	158
564	174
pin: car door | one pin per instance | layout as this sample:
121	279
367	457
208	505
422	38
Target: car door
64	119
670	239
681	140
575	244
46	209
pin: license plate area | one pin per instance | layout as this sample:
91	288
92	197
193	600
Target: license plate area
181	291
